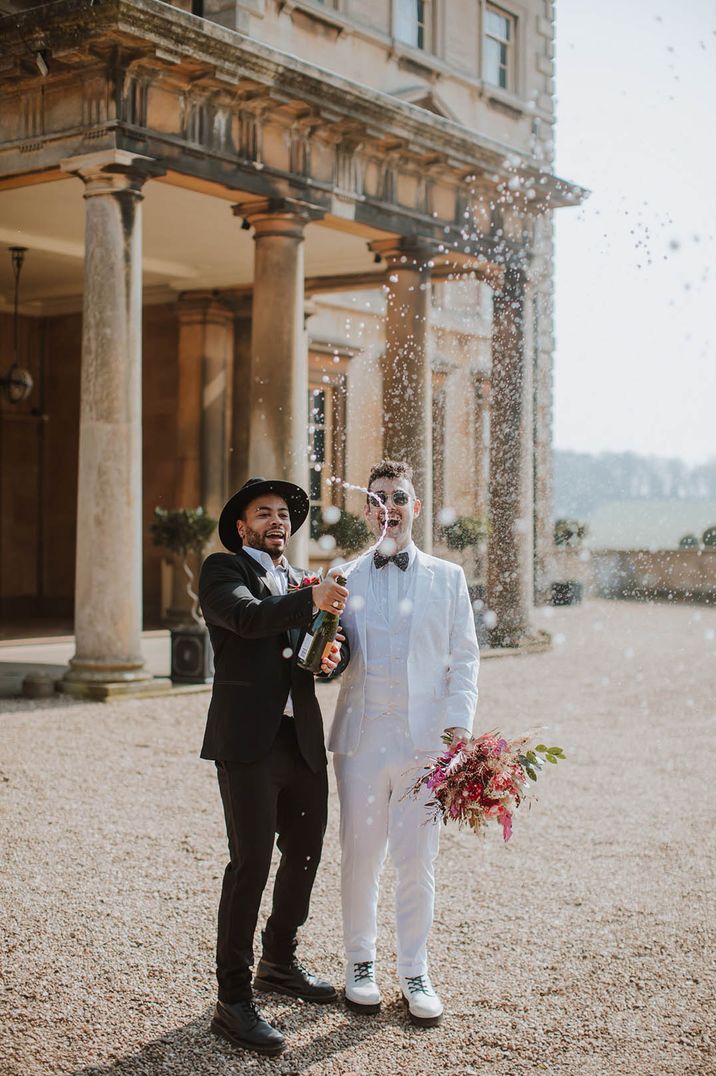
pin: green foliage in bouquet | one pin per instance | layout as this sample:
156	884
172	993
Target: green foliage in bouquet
533	761
569	532
464	532
350	532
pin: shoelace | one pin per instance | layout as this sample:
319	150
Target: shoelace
249	1007
298	966
363	970
417	985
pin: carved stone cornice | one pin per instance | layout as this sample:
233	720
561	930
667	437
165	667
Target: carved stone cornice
70	31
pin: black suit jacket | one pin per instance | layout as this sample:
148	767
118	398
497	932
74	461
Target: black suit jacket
251	629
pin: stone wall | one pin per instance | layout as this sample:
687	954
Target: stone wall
357	39
38	461
667	574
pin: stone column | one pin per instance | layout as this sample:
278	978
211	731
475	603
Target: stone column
205	363
510	543
206	343
278	391
481	389
241	406
407	377
108	588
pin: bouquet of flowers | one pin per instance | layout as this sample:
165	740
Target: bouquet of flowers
484	779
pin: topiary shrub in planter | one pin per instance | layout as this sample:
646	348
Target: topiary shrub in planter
182	531
689	541
464	532
568	534
350	532
708	538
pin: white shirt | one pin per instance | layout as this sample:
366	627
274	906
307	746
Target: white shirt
278	576
389	615
390	586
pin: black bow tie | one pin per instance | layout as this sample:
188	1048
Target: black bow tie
401	559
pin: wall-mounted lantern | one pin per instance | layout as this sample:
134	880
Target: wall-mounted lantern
16	385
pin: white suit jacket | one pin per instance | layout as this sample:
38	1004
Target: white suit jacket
443	655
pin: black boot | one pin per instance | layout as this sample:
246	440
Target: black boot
292	979
243	1025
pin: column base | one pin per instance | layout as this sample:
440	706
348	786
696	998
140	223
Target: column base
528	642
108	671
96	691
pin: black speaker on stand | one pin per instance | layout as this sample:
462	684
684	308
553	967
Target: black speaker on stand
192	655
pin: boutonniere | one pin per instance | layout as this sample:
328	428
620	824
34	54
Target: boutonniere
307	581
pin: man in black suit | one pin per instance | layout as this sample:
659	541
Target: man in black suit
265	733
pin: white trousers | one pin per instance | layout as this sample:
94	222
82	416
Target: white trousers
375	818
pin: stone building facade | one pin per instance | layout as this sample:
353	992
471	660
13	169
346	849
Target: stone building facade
244	219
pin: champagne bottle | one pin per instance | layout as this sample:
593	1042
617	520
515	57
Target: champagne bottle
319	638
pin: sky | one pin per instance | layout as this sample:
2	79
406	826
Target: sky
635	363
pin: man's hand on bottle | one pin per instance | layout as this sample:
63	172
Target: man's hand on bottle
332	658
330	596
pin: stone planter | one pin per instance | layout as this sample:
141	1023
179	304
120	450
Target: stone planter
569	592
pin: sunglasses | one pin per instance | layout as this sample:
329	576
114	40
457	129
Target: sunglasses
399	498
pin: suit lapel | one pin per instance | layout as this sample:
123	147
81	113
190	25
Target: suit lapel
258	569
421	593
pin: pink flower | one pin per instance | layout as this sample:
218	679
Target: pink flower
307	581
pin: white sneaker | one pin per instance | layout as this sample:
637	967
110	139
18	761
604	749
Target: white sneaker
424	1005
362	993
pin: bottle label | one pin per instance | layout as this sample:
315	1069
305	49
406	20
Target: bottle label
305	646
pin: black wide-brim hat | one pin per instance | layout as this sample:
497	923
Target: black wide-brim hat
295	498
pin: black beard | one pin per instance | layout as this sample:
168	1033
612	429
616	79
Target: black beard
259	541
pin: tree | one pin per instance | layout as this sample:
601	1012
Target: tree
709	537
350	532
182	531
569	532
463	532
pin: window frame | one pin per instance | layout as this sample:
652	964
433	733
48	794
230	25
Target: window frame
427	27
327	376
515	20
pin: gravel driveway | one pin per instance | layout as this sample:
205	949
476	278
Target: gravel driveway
584	946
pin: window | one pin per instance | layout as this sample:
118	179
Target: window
499	48
412	22
319	444
326	433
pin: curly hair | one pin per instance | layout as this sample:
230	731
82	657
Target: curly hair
391	469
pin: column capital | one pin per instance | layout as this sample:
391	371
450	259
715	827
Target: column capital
398	252
278	216
202	306
112	170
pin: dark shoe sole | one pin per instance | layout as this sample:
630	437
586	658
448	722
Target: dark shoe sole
364	1010
267	987
422	1021
224	1033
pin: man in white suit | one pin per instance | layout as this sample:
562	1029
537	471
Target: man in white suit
412	677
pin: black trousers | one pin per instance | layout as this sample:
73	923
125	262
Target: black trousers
277	795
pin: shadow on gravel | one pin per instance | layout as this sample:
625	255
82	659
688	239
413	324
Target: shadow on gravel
192	1049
